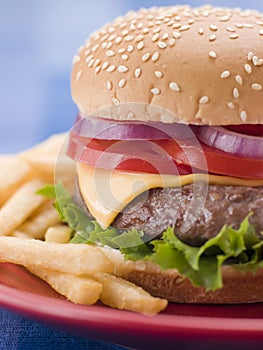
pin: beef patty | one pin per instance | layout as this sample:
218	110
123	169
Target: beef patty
196	212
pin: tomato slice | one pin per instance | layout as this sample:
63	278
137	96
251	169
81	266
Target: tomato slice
163	157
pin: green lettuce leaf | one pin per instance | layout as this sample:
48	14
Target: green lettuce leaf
202	265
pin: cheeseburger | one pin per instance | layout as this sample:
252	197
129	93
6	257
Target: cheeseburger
168	145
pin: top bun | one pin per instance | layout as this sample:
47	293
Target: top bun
174	64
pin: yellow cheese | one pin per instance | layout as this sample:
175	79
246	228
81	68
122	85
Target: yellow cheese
107	192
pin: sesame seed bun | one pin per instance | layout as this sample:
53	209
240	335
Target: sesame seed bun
201	65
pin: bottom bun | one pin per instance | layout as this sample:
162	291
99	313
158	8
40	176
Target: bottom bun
238	287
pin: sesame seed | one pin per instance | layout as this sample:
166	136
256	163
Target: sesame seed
239	79
145	30
204	99
155	56
132	27
162	44
212	54
176	35
79	74
76	59
121	50
111	68
155	91
112	37
125	57
123	69
177	18
256	87
130	48
139	37
122	82
156	30
184	28
146	56
230	29
155	37
235	93
172	42
165	36
104	45
233	36
248	68
91	62
97	70
176	25
110	53
260	62
250	56
243	116
109	45
260	32
201	31
225	74
95	48
213	27
260	23
174	86
109	85
230	105
129	38
224	18
140	45
118	39
96	63
248	25
105	65
239	25
124	32
115	101
191	21
137	72
212	37
158	74
255	60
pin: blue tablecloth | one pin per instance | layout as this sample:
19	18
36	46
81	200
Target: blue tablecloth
19	333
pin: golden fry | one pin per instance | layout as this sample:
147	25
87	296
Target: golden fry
58	233
79	290
37	224
20	206
121	294
12	174
76	259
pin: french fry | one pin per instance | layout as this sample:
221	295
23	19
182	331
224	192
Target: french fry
20	206
76	259
49	160
78	289
37	224
59	233
12	174
121	294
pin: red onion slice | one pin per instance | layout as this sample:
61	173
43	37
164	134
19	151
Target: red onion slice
230	141
109	129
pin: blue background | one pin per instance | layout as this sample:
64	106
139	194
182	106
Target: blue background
38	39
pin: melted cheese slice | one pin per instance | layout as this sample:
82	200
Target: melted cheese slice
107	192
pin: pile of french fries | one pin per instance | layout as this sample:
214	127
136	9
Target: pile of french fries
32	235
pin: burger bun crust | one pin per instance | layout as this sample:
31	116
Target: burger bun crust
199	66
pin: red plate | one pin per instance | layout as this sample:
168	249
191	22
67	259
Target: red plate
180	326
